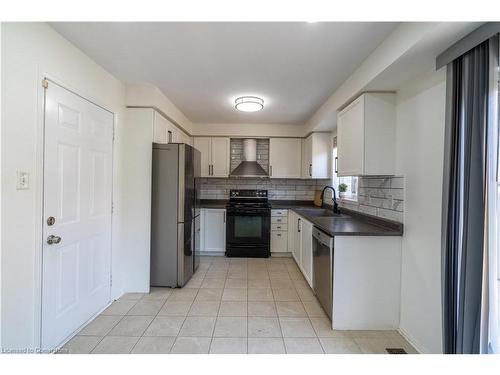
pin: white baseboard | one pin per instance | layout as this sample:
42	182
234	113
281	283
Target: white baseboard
281	255
74	333
421	349
212	253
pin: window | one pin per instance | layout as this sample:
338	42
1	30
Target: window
350	183
351	186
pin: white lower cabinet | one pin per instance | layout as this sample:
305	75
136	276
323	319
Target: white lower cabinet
366	282
300	244
306	260
279	231
213	230
279	242
294	235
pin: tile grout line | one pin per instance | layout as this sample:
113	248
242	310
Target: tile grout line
152	320
183	321
118	321
277	312
215	323
236	268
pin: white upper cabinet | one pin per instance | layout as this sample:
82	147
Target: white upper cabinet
220	157
166	132
366	136
160	128
203	144
184	138
317	156
285	157
215	156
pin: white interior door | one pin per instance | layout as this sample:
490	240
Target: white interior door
77	195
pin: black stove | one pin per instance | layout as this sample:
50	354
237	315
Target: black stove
248	224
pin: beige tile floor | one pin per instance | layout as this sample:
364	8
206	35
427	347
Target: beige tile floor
231	305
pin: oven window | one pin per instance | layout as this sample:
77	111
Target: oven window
248	226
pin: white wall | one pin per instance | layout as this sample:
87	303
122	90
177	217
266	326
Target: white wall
136	207
404	37
249	130
149	95
30	50
419	158
1	196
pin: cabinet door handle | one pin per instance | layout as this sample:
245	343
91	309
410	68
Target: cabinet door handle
310	170
298	225
336	161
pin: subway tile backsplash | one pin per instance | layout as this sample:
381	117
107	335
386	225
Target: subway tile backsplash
378	196
283	189
237	153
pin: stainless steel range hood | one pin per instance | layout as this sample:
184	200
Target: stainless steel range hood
249	166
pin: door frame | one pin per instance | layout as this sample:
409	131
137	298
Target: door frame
38	185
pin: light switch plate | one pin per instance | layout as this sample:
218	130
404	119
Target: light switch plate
23	181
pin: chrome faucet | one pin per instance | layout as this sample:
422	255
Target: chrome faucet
336	209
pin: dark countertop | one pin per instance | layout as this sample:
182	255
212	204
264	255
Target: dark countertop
351	223
284	205
221	203
213	203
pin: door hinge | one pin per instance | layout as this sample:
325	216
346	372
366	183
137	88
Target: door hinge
45	83
111	280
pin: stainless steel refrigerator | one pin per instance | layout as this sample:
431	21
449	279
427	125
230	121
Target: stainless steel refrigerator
175	215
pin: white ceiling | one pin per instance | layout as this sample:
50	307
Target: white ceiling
202	67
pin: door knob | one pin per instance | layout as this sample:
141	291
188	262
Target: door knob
53	239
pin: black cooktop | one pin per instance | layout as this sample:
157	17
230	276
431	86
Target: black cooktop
248	198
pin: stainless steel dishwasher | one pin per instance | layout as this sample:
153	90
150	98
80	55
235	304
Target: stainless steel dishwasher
323	269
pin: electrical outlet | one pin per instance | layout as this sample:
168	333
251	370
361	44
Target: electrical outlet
23	181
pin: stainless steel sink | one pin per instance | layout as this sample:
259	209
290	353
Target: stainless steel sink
321	212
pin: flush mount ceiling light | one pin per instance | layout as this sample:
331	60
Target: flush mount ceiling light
249	104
